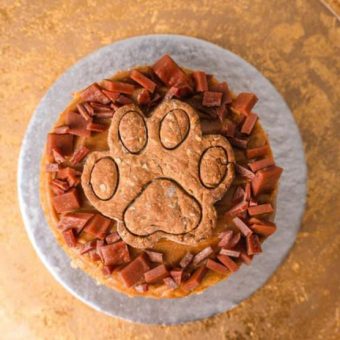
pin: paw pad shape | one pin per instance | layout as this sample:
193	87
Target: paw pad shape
161	176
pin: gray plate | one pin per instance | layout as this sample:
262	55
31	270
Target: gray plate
277	121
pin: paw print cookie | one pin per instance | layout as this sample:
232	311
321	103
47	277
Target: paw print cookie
161	177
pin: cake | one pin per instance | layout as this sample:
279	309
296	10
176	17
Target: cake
160	181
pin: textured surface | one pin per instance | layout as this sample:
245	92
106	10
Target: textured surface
275	118
300	301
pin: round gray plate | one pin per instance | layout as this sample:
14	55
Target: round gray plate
277	121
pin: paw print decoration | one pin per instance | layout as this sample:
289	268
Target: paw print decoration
161	177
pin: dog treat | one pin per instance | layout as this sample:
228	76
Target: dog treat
158	176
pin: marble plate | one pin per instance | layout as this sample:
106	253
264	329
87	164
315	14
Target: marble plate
277	121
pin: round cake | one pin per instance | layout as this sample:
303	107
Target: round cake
159	181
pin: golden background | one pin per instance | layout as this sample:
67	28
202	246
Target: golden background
295	44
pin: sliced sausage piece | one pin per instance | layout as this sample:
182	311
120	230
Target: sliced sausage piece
237	209
156	274
195	279
244	172
257	152
249	123
79	155
115	253
216	267
64	143
202	255
112	238
243	228
93	93
169	72
118	86
154	256
212	99
228	262
253	245
75	221
245	102
260	209
201	83
98	226
229	252
177	275
244	257
70	238
261	164
134	271
66	202
265	180
186	260
170	282
77	124
226	239
263	229
143	81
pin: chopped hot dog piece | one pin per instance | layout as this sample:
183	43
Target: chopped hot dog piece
75	221
240	143
249	123
224	88
229	252
265	180
235	240
201	83
226	239
169	72
186	260
104	115
216	267
244	172
98	226
64	143
211	99
70	175
179	91
88	246
253	244
245	102
263	163
77	124
143	97
107	270
264	229
57	155
202	255
246	258
238	195
93	93
117	86
154	256
89	109
113	97
170	282
178	275
115	253
260	209
123	100
134	271
97	107
83	112
237	209
228	262
61	130
112	238
257	152
195	279
142	288
142	80
79	155
247	193
70	238
66	202
52	167
156	274
96	127
229	129
244	229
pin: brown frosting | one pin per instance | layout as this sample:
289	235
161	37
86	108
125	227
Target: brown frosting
161	176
